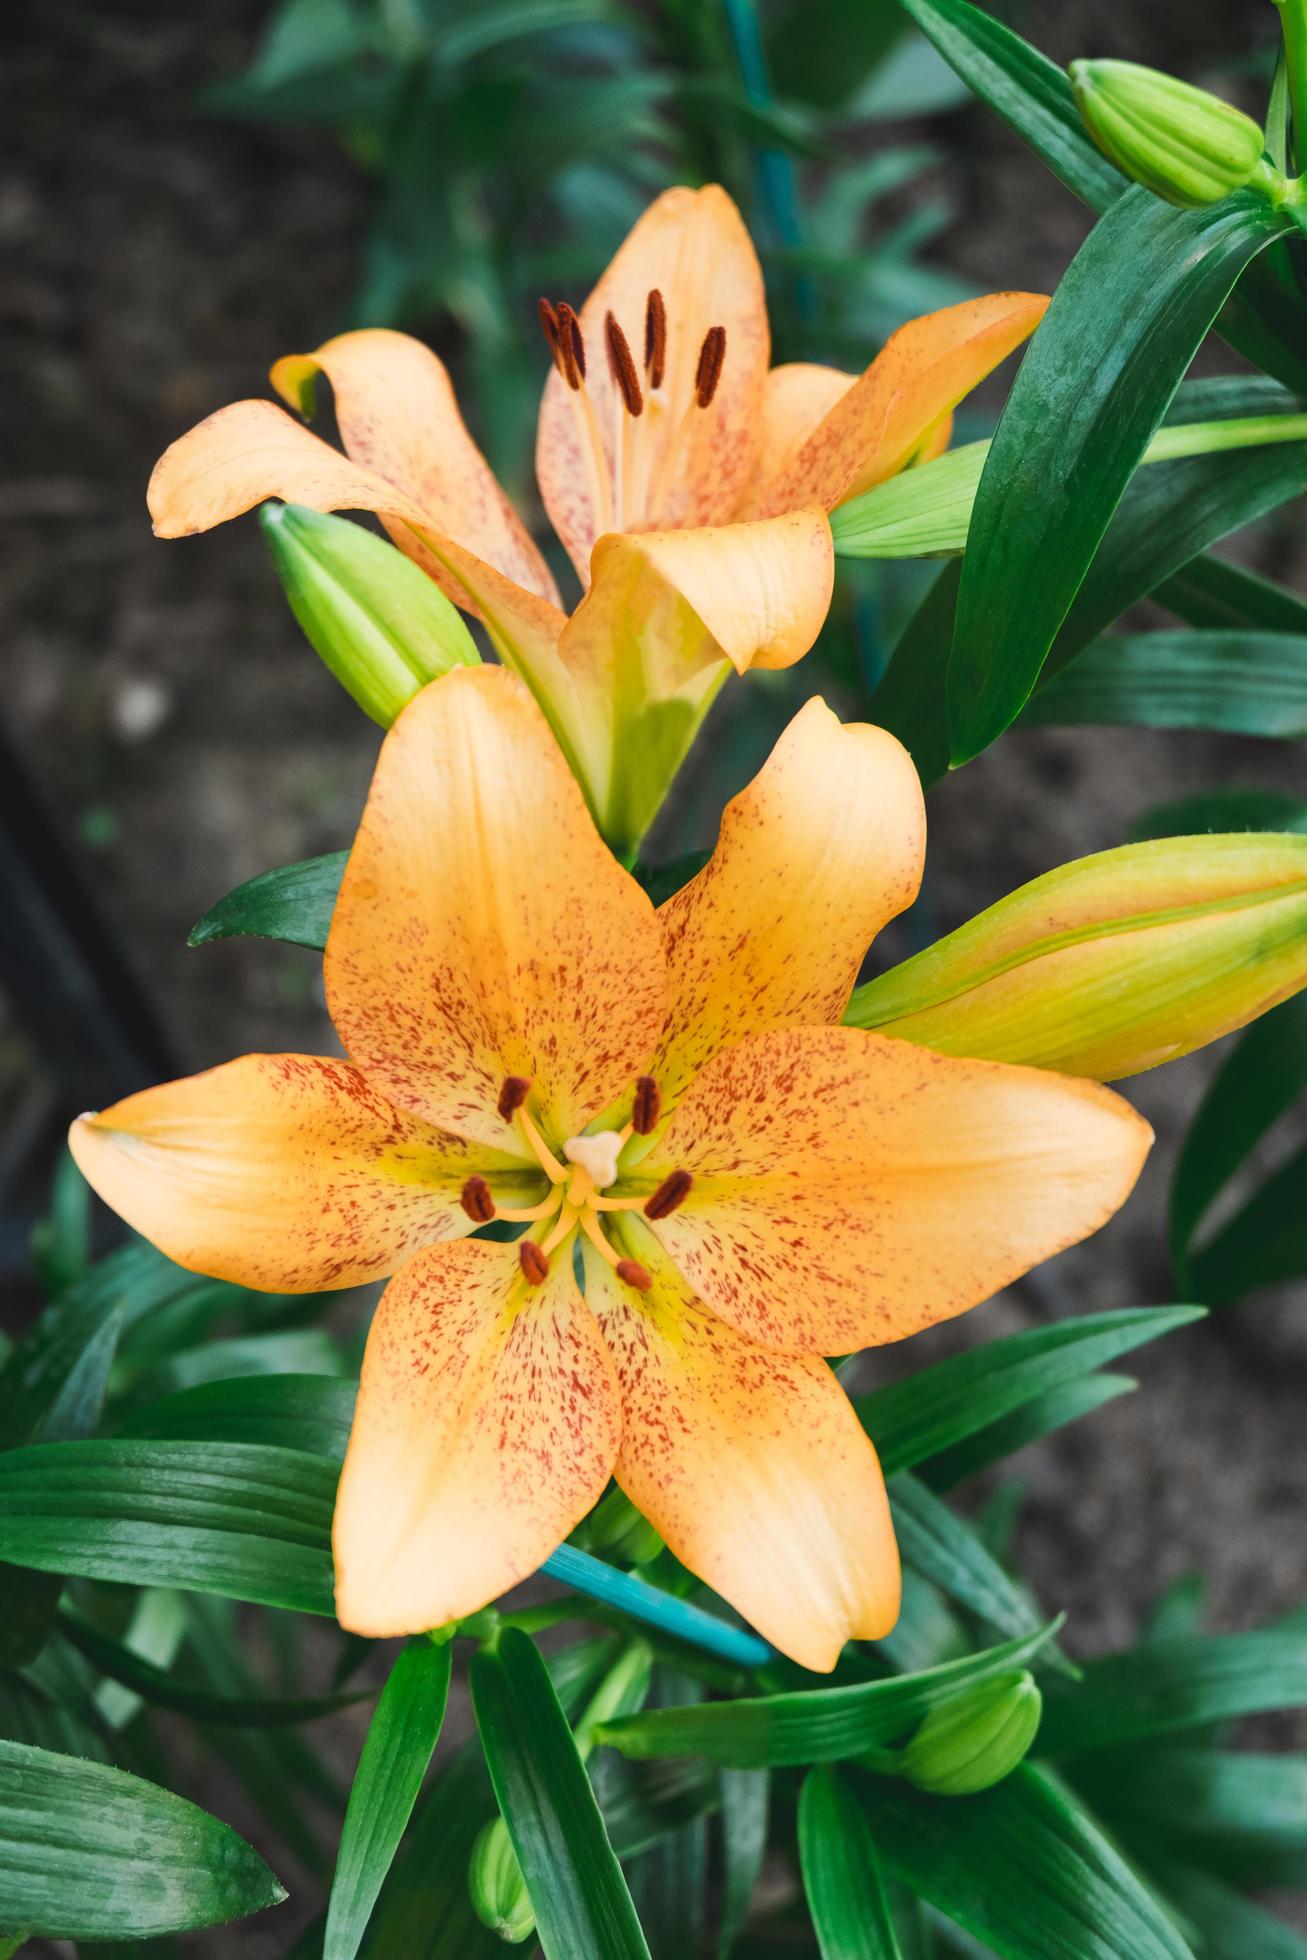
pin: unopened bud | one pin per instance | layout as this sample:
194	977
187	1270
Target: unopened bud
381	625
1186	145
1112	964
496	1887
976	1738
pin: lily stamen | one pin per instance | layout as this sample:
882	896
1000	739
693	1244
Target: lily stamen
708	373
534	1262
556	1173
646	1106
672	1192
655	339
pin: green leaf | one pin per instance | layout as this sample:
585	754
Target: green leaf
399	1745
298	1412
917	1418
294	903
1221	810
1264	1243
1260	1079
1028	1424
1233	683
1232	1928
162	1689
1022	1868
243	1520
1034	98
819	1725
582	1907
89	1852
745	1799
946	1551
841	1873
1123	326
1214	592
1167	1686
1235	1812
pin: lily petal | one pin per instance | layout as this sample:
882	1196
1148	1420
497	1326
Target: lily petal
823	848
921	373
692	247
751	1464
646	646
486	1427
398	415
284	1172
798	396
253	450
849	1190
483	929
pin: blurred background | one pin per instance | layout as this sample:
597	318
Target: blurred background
189	192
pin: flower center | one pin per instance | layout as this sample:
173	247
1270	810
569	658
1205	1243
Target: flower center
573	1202
630	464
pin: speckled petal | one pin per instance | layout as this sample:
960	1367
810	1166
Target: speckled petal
483	929
822	849
797	397
751	1464
487	1425
397	415
688	465
286	1172
921	373
849	1190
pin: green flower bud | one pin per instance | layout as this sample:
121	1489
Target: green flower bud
382	626
975	1739
1186	145
494	1880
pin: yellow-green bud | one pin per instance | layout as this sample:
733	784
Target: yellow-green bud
1186	145
976	1738
494	1881
615	1529
382	626
1113	963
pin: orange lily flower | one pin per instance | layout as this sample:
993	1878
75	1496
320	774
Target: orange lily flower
751	1184
690	485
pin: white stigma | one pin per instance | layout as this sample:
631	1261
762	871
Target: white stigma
597	1156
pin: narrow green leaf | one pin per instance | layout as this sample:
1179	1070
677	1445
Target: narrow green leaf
841	1873
294	903
1221	810
945	1550
911	701
1264	1243
1029	1424
1022	1868
1232	1811
300	1412
1122	328
1231	1927
1260	1079
915	1419
243	1520
1164	1687
582	1907
162	1689
819	1725
745	1799
88	1852
399	1745
1232	683
1214	592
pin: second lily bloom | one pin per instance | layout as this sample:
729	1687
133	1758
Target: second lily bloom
689	480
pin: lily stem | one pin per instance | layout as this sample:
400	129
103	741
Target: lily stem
1293	26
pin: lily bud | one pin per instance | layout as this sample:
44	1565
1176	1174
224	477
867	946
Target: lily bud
382	626
1186	145
1114	963
496	1887
975	1739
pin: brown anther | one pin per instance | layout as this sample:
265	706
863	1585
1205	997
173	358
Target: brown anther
571	342
549	328
672	1192
534	1263
648	1102
655	338
476	1201
709	371
513	1095
634	1274
621	366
